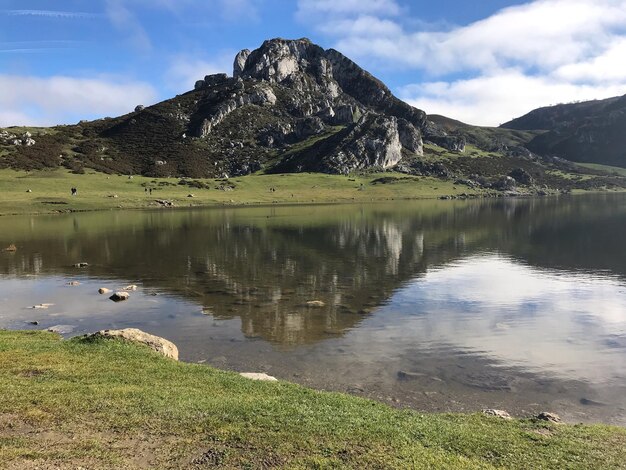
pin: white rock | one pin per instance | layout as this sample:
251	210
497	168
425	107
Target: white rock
258	376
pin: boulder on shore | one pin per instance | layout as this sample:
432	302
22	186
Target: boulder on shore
158	344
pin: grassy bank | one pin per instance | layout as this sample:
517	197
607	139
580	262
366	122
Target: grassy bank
50	190
106	404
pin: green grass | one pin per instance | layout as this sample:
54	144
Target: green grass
611	170
51	190
108	404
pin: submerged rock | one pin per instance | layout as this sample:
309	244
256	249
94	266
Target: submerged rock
61	329
258	376
158	344
315	304
405	375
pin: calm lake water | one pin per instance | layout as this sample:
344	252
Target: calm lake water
434	305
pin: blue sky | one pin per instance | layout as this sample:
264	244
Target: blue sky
483	62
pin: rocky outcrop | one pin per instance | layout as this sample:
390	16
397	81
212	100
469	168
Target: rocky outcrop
240	62
259	94
372	142
26	139
158	344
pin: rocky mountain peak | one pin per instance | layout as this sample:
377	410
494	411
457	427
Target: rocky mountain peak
279	59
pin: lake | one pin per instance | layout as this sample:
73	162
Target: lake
517	304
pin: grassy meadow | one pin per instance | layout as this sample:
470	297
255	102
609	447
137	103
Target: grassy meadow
112	404
50	190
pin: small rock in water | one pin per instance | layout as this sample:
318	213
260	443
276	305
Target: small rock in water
81	265
258	376
547	416
130	288
11	248
119	296
42	306
587	402
497	413
61	329
103	290
73	283
315	304
35	322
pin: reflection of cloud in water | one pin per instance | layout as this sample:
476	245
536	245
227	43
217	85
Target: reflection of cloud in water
564	324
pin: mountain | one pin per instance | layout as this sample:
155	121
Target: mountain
283	100
292	106
589	132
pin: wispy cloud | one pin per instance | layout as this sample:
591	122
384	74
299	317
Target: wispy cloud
51	14
37	46
126	21
27	100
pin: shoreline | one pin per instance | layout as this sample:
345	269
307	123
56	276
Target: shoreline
109	391
44	192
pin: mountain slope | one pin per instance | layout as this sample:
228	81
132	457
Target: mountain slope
589	132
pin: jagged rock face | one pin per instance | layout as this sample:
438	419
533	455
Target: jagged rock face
240	62
374	141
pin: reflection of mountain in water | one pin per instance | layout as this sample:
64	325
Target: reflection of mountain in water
264	264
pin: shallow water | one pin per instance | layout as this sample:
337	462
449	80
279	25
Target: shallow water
434	305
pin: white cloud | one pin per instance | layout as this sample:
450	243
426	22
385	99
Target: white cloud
494	99
26	100
521	57
186	69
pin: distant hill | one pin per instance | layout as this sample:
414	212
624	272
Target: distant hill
589	132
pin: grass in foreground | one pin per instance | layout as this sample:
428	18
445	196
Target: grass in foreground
50	190
113	404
